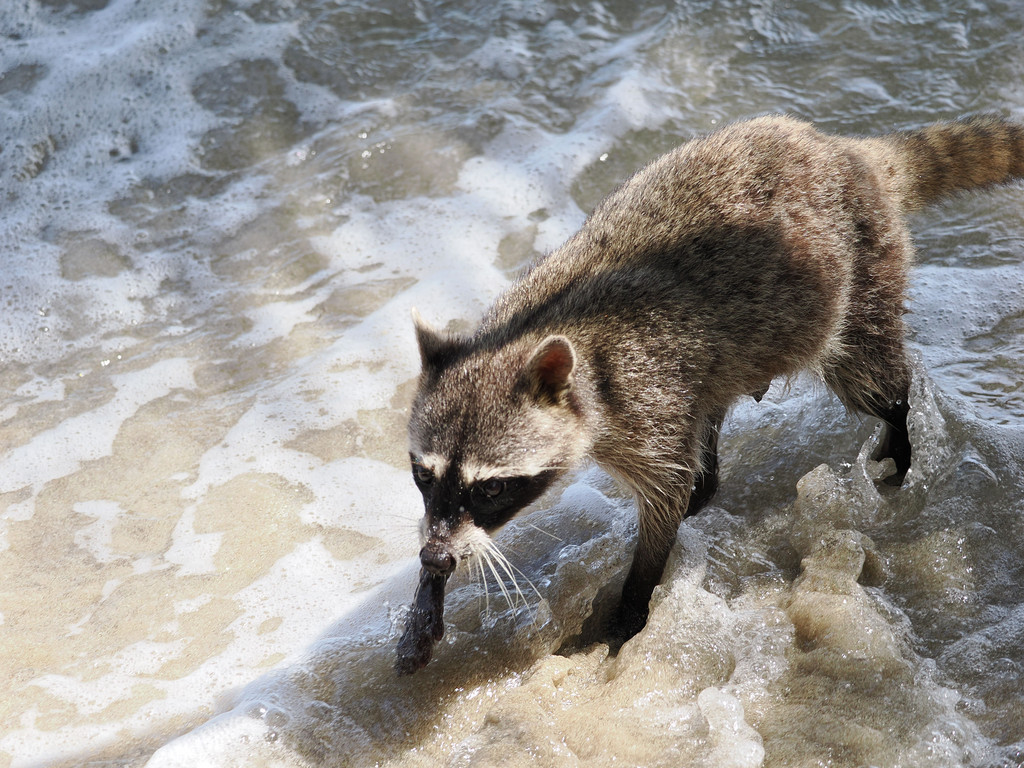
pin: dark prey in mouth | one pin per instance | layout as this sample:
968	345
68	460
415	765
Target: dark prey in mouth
424	625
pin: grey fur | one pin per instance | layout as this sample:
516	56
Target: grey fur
761	250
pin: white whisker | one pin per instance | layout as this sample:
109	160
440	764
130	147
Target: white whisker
511	570
506	567
527	578
486	555
546	533
487	589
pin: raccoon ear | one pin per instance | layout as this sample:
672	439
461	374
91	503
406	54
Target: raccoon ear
550	369
433	346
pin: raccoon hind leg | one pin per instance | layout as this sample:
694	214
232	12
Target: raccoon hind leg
868	366
874	379
895	443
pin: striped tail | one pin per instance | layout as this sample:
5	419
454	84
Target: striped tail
938	160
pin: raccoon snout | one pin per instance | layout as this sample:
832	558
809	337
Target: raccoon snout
437	560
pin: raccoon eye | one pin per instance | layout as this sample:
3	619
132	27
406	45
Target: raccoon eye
492	488
422	475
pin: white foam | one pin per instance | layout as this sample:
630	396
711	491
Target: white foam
113	107
61	450
190	550
91	697
95	538
228	742
735	743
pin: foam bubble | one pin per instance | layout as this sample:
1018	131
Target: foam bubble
59	451
736	744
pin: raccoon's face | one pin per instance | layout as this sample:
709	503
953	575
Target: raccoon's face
460	515
489	432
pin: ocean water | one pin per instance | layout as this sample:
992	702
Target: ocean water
216	217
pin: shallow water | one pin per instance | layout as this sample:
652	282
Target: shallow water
216	218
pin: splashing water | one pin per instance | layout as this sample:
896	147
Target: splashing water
217	215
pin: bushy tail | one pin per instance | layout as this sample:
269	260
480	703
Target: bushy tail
938	160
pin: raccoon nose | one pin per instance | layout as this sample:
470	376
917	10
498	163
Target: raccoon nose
437	561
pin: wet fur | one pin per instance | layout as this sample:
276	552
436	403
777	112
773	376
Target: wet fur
759	251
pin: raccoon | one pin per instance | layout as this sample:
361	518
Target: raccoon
758	251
